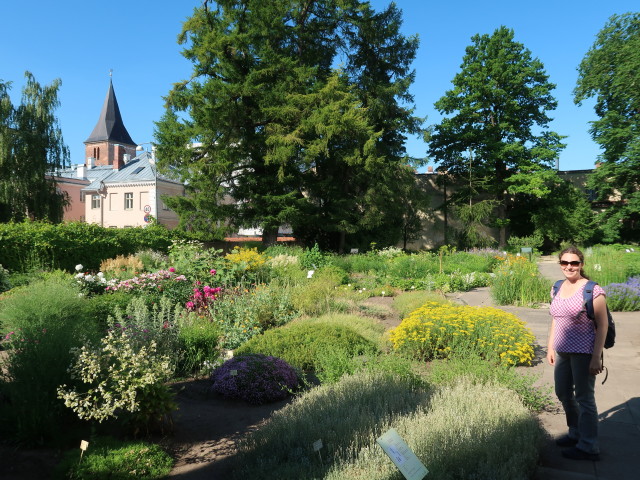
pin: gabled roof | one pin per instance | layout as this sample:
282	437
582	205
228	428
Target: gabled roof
110	126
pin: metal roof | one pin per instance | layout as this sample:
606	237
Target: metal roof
139	169
110	126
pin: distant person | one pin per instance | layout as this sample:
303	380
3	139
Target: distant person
575	350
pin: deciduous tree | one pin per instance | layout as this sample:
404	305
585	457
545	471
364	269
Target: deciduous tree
31	146
610	72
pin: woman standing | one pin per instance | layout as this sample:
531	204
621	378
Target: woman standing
575	350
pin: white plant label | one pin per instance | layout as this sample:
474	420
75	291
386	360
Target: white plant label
402	456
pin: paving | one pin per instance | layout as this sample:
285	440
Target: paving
618	399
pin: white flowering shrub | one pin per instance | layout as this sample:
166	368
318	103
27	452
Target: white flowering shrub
120	378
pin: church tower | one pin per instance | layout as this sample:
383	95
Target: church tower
109	143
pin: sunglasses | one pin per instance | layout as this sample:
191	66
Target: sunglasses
574	263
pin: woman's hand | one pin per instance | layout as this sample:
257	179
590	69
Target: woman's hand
595	366
551	357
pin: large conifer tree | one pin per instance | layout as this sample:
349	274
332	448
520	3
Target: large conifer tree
496	122
282	131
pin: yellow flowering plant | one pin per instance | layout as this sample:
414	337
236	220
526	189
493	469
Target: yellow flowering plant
438	330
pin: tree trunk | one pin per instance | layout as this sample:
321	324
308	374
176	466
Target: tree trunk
269	236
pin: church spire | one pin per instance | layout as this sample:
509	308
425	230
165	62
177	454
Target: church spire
110	127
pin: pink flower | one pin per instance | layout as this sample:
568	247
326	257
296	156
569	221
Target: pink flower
171	269
212	271
190	306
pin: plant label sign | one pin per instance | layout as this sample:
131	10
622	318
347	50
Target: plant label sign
84	445
402	456
317	445
233	373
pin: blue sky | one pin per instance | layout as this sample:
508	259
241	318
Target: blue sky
79	41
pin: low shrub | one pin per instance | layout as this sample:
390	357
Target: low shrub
370	329
120	380
153	286
436	330
5	283
152	260
407	302
255	378
107	458
199	339
41	322
101	307
122	266
465	431
624	297
301	344
349	412
245	313
448	372
317	296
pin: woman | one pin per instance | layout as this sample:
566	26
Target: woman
575	350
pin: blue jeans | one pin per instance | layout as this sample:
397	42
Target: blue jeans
575	388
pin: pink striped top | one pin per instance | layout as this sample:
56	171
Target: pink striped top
574	331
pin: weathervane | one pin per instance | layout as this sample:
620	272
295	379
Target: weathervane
110	72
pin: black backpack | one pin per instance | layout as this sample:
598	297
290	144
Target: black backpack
587	298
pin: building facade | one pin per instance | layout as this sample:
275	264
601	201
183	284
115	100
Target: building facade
118	185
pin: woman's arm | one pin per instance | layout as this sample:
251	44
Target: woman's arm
602	325
551	353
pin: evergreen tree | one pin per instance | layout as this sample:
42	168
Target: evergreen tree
610	72
280	131
31	146
497	122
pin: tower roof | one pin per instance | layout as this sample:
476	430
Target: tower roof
110	126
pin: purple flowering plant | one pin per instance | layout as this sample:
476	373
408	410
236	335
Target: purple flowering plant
624	297
255	378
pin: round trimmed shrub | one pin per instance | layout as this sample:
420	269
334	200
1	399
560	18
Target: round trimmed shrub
254	378
302	344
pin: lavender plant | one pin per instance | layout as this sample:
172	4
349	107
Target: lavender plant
255	378
624	297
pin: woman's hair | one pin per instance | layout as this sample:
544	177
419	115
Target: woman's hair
575	251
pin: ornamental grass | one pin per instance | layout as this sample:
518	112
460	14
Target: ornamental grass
517	281
437	330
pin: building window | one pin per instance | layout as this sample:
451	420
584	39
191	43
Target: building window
95	201
128	201
81	197
164	206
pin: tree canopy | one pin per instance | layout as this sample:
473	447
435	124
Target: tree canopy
31	146
496	124
610	72
296	113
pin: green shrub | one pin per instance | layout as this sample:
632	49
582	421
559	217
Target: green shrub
448	372
313	258
301	344
242	314
199	339
42	321
466	431
407	302
5	283
101	307
369	328
318	295
107	458
31	245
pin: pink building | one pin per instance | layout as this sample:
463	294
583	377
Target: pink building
115	187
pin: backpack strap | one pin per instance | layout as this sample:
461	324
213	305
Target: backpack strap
587	299
556	287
